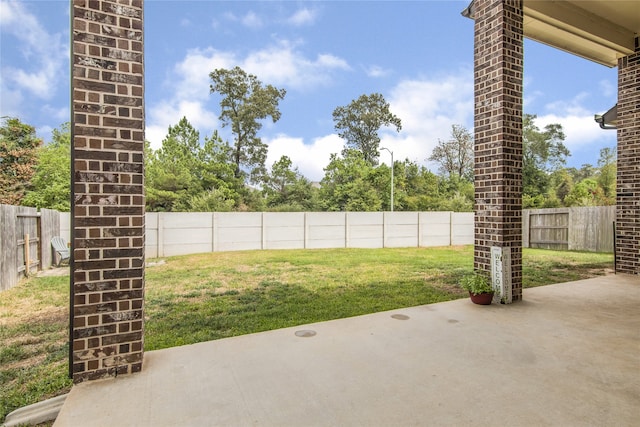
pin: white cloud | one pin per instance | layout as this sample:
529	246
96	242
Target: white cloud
59	113
279	64
608	89
252	20
303	17
310	159
160	117
377	71
189	83
283	65
11	101
581	130
577	121
45	54
427	107
192	73
229	16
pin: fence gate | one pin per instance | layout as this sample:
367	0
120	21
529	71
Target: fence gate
549	230
28	243
25	236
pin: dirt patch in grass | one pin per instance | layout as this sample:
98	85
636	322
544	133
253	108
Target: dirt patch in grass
34	313
28	362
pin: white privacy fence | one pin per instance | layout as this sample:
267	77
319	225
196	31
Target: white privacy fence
181	233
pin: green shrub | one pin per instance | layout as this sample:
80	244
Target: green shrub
476	283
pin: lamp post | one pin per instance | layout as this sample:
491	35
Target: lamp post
390	152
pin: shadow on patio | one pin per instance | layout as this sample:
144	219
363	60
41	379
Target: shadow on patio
568	355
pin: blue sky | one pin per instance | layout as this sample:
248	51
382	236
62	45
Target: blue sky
417	54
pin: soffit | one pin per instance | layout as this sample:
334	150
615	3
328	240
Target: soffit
599	30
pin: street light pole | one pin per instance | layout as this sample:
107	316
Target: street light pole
390	152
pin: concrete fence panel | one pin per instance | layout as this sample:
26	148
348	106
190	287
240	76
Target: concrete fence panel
237	231
436	228
365	230
401	229
151	234
325	230
65	225
186	232
181	233
49	227
462	228
283	230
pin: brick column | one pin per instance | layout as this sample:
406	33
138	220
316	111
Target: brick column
107	281
628	182
498	136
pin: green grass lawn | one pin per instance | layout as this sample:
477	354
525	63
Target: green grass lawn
204	297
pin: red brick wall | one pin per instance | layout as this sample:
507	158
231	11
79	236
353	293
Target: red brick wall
498	63
628	183
108	182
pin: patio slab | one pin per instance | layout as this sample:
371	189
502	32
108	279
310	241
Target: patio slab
568	355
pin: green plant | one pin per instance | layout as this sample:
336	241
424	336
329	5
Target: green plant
476	283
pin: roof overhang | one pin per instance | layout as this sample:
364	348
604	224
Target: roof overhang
599	30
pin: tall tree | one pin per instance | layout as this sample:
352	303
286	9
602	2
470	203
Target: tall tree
286	189
18	157
587	170
543	153
51	184
607	164
455	156
416	187
347	184
562	181
216	167
359	123
171	172
245	101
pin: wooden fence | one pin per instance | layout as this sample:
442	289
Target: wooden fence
579	228
25	242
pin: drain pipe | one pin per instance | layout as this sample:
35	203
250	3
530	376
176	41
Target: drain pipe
35	414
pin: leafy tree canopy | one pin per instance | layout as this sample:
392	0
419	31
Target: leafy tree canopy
455	156
347	184
246	101
286	189
51	184
543	153
172	171
359	123
18	157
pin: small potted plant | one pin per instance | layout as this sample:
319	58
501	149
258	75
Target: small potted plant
479	287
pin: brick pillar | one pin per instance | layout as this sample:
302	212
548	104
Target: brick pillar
498	66
107	281
628	182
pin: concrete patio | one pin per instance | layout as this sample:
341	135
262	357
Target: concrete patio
568	355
